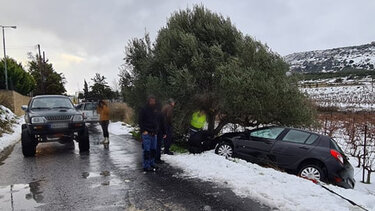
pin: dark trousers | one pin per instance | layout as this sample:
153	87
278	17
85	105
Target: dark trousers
104	125
158	147
169	139
149	150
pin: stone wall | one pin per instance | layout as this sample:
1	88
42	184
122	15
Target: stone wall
13	100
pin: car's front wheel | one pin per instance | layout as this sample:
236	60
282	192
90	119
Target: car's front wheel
28	144
312	172
224	149
83	140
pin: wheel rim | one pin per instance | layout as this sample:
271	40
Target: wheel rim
225	150
310	173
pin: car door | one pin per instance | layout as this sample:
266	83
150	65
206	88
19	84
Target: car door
256	146
293	147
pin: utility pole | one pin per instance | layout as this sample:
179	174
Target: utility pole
5	55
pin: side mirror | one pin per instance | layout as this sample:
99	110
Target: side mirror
24	107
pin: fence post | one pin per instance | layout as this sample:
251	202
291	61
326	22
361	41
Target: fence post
364	155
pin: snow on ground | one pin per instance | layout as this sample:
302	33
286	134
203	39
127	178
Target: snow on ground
119	128
7	139
266	185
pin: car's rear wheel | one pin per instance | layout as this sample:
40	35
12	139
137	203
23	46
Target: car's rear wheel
224	149
28	144
312	172
83	140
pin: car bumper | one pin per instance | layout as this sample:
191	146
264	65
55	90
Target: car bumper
50	128
342	175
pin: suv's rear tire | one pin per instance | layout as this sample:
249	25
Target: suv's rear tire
312	172
28	144
83	140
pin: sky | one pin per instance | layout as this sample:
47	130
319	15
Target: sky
84	37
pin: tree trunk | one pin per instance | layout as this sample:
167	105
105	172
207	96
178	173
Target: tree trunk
368	177
359	161
211	122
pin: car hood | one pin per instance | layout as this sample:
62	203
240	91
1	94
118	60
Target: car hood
52	112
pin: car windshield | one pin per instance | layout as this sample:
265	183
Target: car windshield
51	102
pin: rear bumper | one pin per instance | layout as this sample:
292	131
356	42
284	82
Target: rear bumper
341	175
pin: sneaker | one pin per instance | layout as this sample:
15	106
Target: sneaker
106	141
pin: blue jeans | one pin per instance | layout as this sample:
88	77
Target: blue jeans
149	143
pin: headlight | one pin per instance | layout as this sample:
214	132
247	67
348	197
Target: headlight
77	118
38	120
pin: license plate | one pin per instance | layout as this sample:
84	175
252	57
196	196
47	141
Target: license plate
59	125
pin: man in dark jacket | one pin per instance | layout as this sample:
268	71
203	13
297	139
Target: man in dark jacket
168	115
148	123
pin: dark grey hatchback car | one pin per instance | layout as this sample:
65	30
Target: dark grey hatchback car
309	155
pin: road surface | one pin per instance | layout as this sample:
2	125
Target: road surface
60	178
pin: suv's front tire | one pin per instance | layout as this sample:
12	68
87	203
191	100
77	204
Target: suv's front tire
83	140
28	144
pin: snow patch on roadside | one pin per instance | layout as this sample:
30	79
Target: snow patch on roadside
7	139
266	185
120	128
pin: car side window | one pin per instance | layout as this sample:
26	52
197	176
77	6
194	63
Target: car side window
269	133
312	139
300	137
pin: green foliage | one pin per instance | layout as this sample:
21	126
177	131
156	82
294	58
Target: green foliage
100	89
48	81
18	78
201	60
178	148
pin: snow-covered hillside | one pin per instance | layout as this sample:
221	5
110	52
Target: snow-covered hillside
10	131
344	97
354	57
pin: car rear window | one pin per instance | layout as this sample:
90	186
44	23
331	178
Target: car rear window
268	133
90	106
335	146
300	137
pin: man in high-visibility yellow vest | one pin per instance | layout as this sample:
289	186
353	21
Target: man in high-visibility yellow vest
197	121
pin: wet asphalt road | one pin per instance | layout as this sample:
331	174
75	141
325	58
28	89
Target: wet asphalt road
60	178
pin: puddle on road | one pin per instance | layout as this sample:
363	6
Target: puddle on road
21	196
109	180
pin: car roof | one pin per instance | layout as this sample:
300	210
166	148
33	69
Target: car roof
290	128
52	96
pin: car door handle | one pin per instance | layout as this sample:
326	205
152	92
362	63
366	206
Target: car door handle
305	148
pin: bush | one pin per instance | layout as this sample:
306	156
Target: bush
121	112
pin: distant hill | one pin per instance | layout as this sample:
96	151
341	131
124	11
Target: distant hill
360	57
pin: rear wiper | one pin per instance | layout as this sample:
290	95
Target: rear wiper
40	108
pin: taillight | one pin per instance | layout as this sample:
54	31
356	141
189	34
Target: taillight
338	156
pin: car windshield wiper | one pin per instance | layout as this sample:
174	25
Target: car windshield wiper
40	108
62	107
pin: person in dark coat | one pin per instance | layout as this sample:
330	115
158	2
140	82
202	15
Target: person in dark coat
149	126
168	116
161	136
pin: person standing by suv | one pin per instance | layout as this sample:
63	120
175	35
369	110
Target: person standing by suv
103	111
168	115
149	124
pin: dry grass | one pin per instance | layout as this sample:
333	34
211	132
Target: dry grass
121	112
